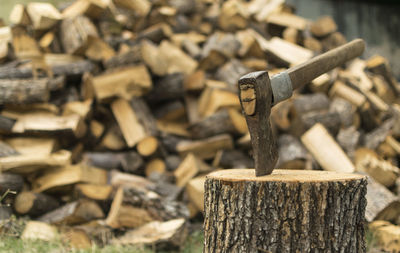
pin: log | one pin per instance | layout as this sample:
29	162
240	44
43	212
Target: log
385	235
69	175
34	204
24	91
29	145
232	158
28	163
19	15
195	191
73	213
189	168
122	215
323	26
43	15
75	34
382	204
213	99
380	170
320	143
90	8
36	230
124	82
289	210
76	238
10	182
48	123
292	154
155	166
128	122
128	161
223	121
99	192
205	148
169	234
7	150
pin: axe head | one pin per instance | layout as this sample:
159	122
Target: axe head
255	96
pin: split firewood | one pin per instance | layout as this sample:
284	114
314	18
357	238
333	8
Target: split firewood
292	154
280	114
36	230
31	162
76	238
119	179
19	15
130	57
24	91
223	121
113	139
378	135
29	145
320	143
161	234
169	87
213	99
288	20
386	235
75	34
232	158
141	7
379	65
321	83
123	82
205	148
347	112
230	72
47	123
128	122
69	175
382	204
128	161
171	111
71	67
348	139
195	190
285	52
73	213
155	166
97	231
99	192
98	50
10	182
123	215
7	150
34	204
323	26
382	171
189	168
43	15
90	8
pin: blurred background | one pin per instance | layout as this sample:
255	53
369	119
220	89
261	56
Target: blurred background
377	22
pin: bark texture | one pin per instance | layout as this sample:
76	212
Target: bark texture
288	211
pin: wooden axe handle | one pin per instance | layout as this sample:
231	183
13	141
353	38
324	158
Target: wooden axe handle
309	70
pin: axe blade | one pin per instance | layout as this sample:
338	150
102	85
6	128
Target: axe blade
255	96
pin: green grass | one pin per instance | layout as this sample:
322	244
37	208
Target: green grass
11	244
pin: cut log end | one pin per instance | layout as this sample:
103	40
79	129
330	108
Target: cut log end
285	176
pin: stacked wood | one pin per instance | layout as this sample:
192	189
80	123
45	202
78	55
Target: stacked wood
112	112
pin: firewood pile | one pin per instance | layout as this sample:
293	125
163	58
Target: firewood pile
113	112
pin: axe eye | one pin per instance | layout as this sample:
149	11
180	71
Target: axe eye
248	98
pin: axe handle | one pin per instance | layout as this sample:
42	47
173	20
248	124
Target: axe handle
309	70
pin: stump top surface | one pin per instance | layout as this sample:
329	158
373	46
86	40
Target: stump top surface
235	175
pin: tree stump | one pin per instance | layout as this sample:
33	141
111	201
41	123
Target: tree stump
287	211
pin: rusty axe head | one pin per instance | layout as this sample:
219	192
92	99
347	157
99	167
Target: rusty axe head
255	96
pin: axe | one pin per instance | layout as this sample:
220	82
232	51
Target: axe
258	93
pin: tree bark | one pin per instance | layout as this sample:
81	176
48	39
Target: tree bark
287	211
